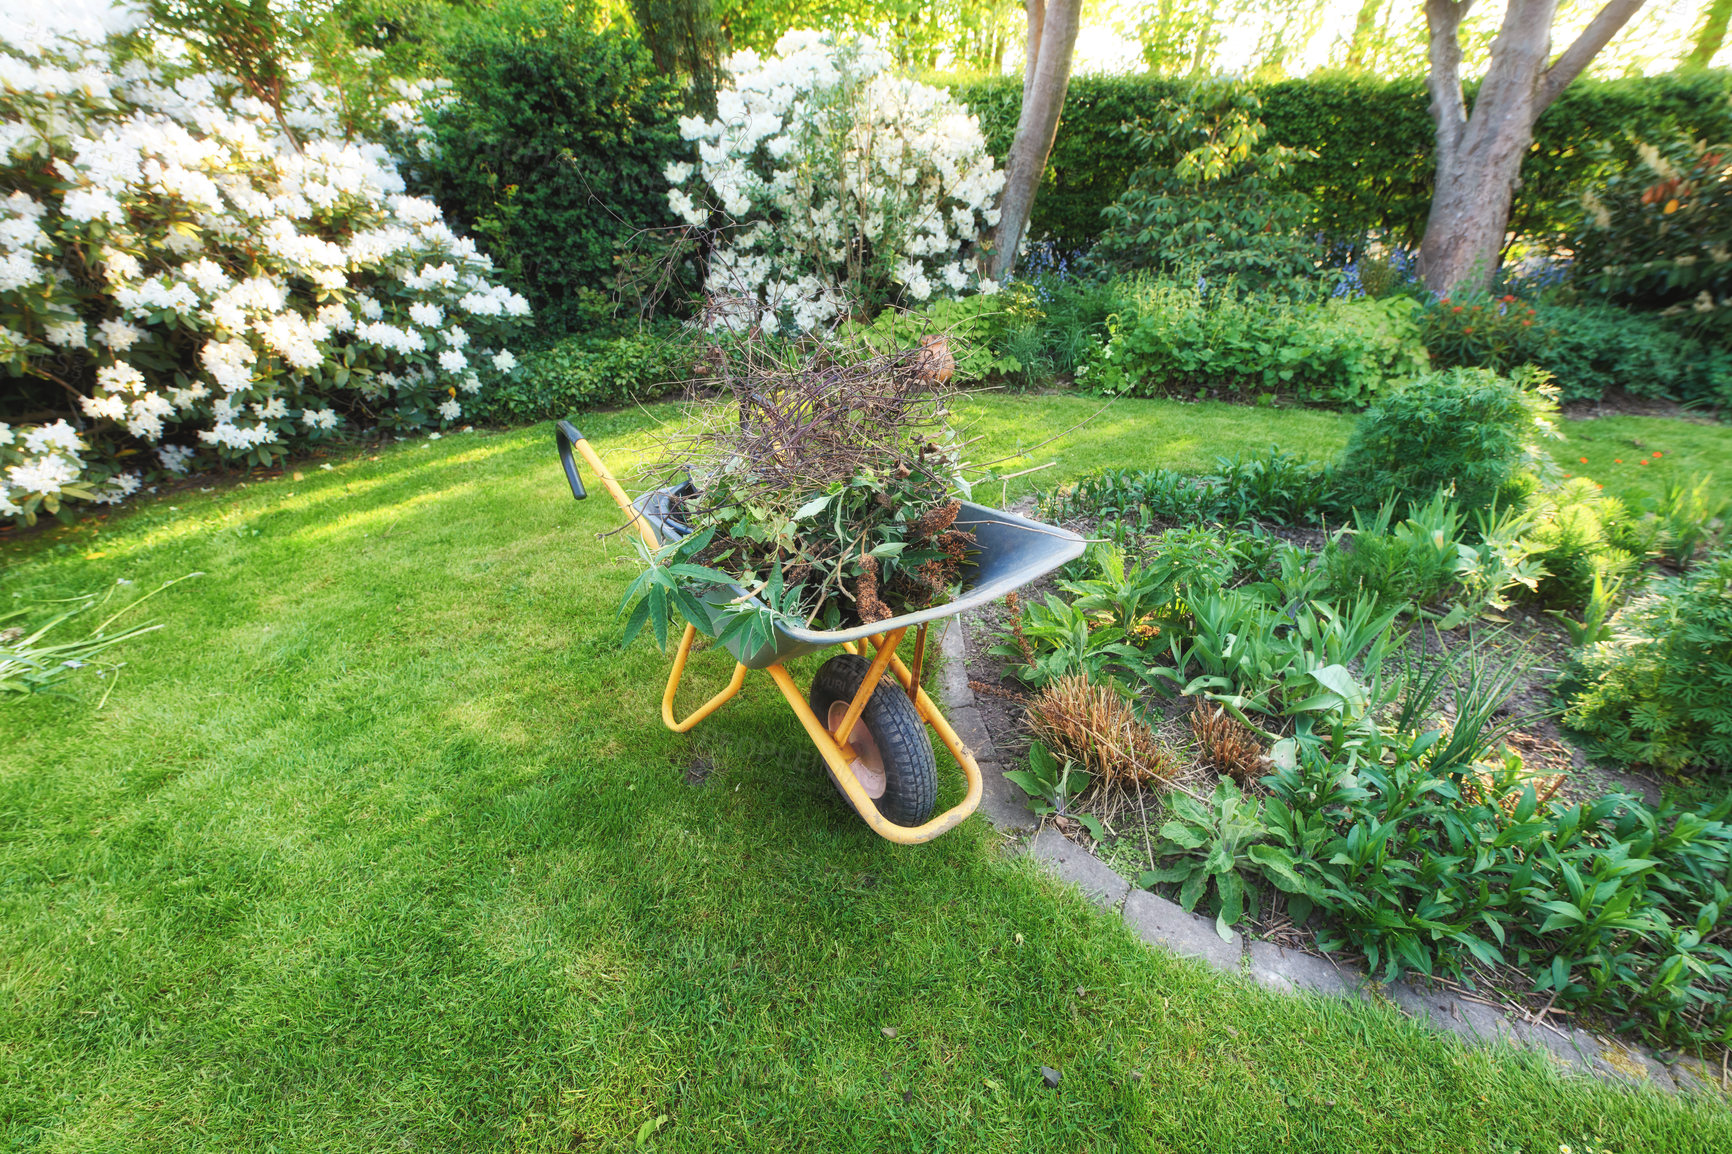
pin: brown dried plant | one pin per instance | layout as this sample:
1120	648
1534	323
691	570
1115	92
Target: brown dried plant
1227	747
819	459
1096	727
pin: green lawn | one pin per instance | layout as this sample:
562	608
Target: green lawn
380	845
1145	434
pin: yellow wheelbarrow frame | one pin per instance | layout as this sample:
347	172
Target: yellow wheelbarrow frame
885	638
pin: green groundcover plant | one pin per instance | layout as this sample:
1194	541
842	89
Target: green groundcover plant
1659	690
1192	339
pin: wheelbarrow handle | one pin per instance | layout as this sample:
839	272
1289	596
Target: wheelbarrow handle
567	435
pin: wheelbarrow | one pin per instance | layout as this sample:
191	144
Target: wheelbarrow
872	735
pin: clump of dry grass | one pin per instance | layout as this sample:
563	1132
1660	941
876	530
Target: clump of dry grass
1095	727
1226	745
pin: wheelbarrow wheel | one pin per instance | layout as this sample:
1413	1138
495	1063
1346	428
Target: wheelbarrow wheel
894	765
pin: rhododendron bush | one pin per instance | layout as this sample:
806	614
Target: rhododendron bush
188	274
843	185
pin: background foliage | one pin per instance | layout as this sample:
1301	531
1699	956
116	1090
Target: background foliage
552	152
1373	139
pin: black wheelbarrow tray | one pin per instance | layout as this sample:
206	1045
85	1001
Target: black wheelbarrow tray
872	736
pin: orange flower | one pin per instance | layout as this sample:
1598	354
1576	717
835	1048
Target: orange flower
1468	329
1456	309
1617	460
1509	300
1643	461
1656	452
1527	324
1584	460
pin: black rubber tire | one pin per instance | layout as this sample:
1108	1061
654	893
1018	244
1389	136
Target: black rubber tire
910	771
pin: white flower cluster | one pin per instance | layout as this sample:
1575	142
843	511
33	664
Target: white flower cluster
249	287
844	181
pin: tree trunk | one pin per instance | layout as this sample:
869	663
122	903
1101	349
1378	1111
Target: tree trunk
1052	30
1712	35
1479	157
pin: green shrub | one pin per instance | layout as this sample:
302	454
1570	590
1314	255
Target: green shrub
552	151
1660	691
1207	198
1572	538
1175	339
1657	233
583	372
974	325
1469	430
1053	323
1589	349
1612	905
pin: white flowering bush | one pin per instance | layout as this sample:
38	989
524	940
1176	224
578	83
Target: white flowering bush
844	185
188	273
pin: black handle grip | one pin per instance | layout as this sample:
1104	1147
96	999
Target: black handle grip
567	435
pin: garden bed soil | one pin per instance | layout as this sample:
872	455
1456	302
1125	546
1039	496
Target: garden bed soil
1621	404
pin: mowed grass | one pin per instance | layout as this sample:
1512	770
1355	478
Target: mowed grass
1085	434
380	845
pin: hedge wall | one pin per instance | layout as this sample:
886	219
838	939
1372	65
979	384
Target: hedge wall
1373	140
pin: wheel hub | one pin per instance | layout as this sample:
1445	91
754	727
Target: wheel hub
868	763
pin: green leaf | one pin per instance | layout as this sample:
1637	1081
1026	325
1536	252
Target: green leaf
635	622
658	615
813	507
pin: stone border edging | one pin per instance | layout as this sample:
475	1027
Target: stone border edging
1166	925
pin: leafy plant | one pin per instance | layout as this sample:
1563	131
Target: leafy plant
1596	623
1656	692
1215	849
1573	527
1053	785
1656	232
1468	430
1207	197
1180	338
1677	524
1478	329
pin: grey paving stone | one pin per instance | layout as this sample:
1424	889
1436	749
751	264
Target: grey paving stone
1168	925
1078	866
1562	1045
1444	1011
953	677
1617	1062
1692	1075
1000	800
1288	970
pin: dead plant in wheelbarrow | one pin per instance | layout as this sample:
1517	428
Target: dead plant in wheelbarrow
819	501
822	479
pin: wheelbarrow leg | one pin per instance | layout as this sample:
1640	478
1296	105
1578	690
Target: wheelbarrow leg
864	694
707	707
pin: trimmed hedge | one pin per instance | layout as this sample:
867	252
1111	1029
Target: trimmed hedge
1373	139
